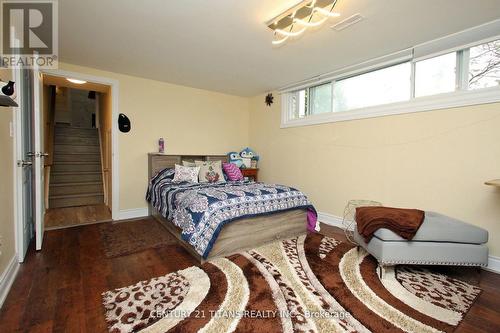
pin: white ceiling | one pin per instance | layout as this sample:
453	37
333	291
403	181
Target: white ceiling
224	45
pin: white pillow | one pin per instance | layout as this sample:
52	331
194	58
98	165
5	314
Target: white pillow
186	174
210	171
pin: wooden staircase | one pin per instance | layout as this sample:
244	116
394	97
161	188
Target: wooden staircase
76	173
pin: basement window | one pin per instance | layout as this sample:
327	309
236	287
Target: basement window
311	101
464	76
436	75
383	86
484	65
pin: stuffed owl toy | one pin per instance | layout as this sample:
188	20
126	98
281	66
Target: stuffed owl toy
247	155
235	158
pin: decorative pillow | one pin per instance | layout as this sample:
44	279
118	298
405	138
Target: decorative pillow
210	171
232	171
188	164
186	174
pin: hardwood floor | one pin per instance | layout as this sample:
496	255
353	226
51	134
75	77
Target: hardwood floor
484	316
59	289
56	218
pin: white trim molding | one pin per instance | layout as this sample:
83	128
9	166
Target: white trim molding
493	264
336	221
7	278
22	231
128	214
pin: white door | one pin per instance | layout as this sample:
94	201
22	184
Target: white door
38	164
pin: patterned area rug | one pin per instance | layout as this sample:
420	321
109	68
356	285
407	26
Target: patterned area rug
125	238
306	284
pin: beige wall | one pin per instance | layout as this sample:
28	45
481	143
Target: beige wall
192	121
435	160
7	240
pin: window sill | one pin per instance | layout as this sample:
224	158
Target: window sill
421	104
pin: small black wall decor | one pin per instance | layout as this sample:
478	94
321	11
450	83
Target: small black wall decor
123	123
269	99
8	89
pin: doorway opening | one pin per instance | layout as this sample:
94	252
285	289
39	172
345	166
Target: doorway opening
77	136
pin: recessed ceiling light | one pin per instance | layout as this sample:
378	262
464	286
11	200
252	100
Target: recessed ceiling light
75	81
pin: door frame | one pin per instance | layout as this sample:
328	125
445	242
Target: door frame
38	159
115	152
115	158
18	175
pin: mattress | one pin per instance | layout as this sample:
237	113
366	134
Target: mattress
200	210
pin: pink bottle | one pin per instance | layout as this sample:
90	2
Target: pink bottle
161	146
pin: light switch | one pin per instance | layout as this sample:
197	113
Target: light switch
11	129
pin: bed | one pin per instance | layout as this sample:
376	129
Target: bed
225	231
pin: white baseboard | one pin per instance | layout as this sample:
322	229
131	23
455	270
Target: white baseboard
7	278
493	264
336	221
333	220
127	214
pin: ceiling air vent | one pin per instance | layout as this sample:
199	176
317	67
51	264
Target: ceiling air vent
347	22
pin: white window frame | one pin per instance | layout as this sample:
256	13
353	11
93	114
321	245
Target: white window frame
458	98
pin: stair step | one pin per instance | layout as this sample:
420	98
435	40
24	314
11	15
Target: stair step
75	131
76	140
77	195
73	177
84	135
76	200
75	149
76	177
77	157
76	166
75	188
75	184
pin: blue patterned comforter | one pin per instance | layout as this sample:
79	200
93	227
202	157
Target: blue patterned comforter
202	209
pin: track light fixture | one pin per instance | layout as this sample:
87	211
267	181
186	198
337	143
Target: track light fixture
296	20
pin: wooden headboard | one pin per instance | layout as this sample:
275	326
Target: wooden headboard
158	162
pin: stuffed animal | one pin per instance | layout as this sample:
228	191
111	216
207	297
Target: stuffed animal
248	155
235	158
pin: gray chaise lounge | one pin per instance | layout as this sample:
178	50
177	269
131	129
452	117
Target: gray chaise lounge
440	240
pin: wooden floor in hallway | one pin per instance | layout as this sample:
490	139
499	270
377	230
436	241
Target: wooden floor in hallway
56	218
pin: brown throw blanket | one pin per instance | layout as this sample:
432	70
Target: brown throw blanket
404	222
